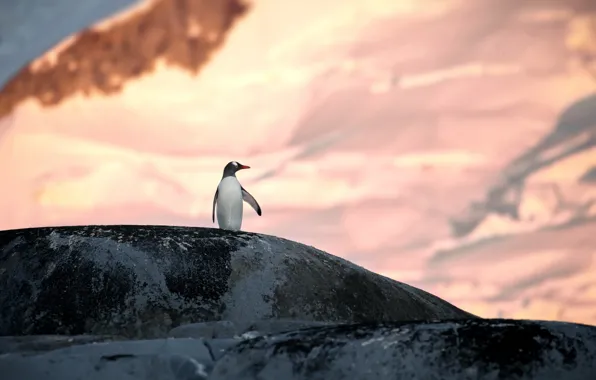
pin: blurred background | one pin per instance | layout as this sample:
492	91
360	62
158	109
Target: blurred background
449	144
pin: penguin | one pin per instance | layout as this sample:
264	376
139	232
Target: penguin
228	198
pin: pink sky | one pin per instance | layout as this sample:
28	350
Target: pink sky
367	124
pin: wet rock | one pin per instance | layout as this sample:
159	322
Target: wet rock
164	359
205	330
473	349
228	329
41	343
456	349
142	281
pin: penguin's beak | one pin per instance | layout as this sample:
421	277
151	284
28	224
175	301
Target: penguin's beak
240	167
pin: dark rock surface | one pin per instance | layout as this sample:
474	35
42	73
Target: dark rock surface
144	359
142	281
228	329
41	343
244	306
450	350
474	349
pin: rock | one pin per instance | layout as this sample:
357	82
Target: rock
164	359
458	350
29	28
228	329
205	330
142	281
41	343
92	60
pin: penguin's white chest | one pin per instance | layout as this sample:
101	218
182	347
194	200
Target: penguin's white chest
229	204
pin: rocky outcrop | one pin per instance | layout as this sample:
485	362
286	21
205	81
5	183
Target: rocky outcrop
141	281
228	329
203	303
32	344
161	359
473	349
483	349
183	33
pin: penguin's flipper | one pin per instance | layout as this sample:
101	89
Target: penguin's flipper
250	200
214	202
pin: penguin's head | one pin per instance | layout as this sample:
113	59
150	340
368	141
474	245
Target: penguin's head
232	167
